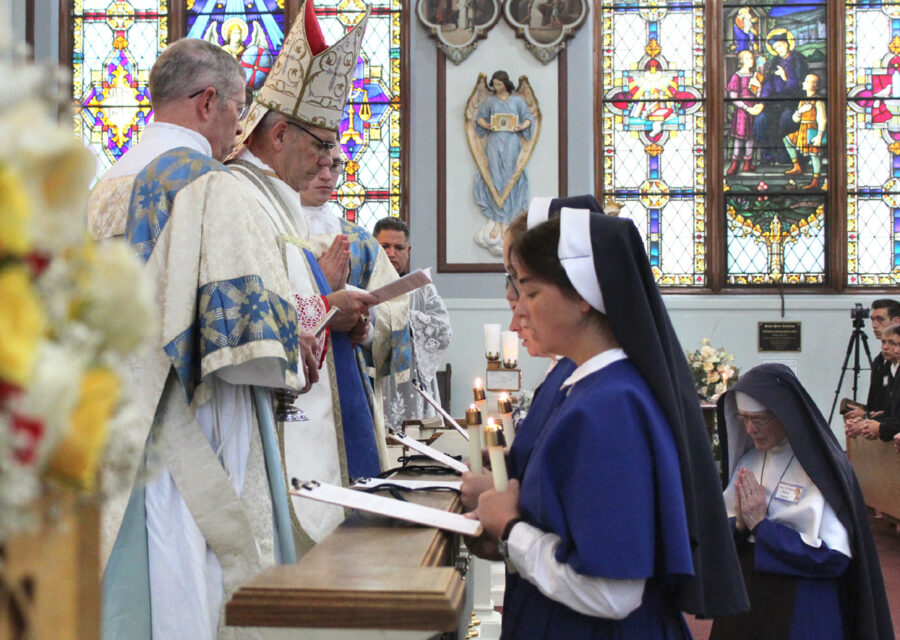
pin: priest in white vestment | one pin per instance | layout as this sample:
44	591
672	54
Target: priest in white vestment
288	137
389	349
429	324
204	515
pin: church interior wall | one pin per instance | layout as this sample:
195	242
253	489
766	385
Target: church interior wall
730	320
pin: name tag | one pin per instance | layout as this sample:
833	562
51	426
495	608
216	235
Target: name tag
788	492
887	381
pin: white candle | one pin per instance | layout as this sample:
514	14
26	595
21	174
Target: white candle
473	423
492	341
510	341
504	406
493	435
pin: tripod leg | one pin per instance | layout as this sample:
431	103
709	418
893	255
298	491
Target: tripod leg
837	391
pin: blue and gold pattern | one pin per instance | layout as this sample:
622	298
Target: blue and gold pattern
229	313
232	313
154	191
363	254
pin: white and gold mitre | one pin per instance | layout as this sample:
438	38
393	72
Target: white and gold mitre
307	86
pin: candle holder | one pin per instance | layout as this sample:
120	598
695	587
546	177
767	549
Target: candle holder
510	364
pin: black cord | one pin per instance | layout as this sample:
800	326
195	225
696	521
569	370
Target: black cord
418	469
396	489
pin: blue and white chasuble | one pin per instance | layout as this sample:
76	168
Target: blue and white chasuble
201	523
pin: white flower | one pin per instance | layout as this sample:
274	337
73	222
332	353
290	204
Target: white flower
57	171
55	388
118	297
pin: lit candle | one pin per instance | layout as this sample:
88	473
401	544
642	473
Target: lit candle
473	423
493	436
504	406
492	341
510	341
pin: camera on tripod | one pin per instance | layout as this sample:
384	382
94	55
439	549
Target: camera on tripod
859	313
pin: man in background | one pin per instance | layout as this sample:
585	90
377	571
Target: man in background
885	312
429	324
385	357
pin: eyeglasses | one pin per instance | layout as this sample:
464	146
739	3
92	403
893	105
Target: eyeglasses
511	284
337	167
759	419
324	147
243	107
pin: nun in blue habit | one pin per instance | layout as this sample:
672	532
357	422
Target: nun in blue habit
799	519
616	525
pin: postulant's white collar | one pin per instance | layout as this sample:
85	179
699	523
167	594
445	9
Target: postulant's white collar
322	219
594	364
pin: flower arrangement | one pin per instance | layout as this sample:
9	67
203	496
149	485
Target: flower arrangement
71	310
713	373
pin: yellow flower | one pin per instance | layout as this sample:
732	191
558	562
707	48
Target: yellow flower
15	211
21	325
76	459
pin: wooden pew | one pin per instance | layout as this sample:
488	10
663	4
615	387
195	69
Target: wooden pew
877	466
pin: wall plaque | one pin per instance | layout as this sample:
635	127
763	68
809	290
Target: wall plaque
778	336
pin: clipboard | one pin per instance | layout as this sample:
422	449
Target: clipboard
418	386
425	450
420	514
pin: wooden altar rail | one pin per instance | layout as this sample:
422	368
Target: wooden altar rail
370	573
877	466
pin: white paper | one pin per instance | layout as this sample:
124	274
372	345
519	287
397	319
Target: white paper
431	452
409	282
428	516
437	407
368	483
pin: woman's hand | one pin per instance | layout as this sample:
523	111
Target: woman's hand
752	499
496	509
473	485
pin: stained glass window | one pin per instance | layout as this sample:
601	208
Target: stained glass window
370	132
775	141
654	129
114	45
873	143
117	41
250	30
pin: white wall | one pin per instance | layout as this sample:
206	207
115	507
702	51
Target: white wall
729	321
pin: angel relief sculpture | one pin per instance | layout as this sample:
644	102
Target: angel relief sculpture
503	124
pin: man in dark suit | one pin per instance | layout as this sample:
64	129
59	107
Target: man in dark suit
886	424
885	312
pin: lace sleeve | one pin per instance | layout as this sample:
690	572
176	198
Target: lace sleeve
310	310
429	322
